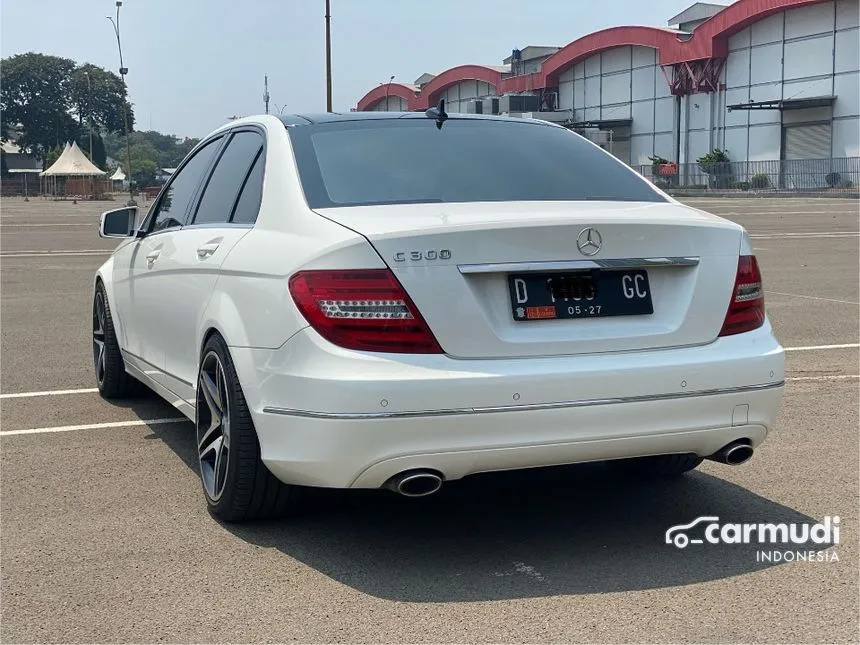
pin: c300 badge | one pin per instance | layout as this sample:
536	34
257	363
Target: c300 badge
417	256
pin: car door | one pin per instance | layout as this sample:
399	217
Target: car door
150	283
222	214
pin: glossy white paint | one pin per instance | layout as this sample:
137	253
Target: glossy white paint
470	315
502	396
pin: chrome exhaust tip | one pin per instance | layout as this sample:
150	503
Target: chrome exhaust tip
415	483
734	453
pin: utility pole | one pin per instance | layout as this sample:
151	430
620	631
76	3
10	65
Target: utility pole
90	112
123	70
266	92
328	55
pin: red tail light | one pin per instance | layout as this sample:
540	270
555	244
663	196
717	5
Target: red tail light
746	310
364	309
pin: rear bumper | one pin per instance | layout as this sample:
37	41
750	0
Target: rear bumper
332	417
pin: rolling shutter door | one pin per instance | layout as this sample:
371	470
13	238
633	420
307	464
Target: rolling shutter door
807	141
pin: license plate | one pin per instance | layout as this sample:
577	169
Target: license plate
590	294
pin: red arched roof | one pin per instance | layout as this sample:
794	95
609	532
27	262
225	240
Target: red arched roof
379	93
431	91
599	41
710	40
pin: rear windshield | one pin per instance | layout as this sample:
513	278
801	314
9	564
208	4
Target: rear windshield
408	161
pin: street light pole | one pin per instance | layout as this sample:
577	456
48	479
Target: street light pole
123	70
90	112
328	55
388	87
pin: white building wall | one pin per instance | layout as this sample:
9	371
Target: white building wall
846	80
460	97
623	83
392	104
811	51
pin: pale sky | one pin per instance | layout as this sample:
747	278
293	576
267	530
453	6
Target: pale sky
194	63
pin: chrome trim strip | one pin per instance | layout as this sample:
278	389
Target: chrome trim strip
193	226
578	265
517	408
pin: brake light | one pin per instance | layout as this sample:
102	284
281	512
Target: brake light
363	309
746	309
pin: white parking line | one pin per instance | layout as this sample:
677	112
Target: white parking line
799	295
90	224
831	377
53	254
27	395
93	426
776	211
812	347
804	236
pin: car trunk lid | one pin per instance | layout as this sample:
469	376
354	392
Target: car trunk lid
456	262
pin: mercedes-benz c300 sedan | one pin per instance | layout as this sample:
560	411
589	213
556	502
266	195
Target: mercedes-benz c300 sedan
399	300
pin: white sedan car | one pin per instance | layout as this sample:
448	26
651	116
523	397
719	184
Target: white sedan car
399	300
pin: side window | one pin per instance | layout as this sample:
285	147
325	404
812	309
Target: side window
226	180
252	193
174	203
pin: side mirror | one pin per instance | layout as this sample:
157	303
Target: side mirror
118	223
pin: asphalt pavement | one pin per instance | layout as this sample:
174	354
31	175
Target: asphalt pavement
104	535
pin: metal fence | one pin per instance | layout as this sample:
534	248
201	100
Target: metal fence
791	174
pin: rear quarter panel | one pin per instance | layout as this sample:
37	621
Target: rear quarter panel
251	305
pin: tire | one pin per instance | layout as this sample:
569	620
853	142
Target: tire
661	465
237	486
112	379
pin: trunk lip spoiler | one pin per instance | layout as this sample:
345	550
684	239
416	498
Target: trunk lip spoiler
578	265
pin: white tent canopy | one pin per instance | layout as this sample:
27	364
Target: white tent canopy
118	175
72	162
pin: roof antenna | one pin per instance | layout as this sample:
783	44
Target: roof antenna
438	113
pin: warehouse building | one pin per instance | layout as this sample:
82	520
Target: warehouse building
769	82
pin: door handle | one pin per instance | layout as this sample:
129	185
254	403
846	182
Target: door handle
152	256
205	250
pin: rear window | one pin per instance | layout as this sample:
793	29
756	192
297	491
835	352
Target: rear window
407	161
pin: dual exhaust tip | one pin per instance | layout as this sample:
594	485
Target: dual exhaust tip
420	483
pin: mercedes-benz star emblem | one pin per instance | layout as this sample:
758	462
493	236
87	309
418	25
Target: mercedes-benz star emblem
589	241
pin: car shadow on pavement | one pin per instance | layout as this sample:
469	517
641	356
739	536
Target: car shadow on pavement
579	529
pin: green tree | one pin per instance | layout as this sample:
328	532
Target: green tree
166	150
143	171
142	150
52	155
169	150
182	150
97	97
34	101
98	155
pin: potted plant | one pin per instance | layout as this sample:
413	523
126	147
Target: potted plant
665	170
